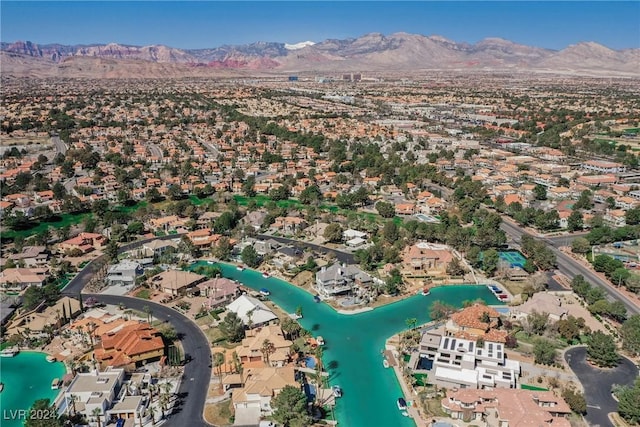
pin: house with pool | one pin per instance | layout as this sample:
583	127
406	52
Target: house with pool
468	351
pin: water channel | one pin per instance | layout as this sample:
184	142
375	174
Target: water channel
353	347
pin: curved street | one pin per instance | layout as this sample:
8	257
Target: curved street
597	384
195	384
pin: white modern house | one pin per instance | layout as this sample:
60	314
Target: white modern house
93	394
468	363
124	273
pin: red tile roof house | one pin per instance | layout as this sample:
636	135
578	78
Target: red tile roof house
130	347
507	407
85	242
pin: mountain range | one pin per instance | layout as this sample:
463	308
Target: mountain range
373	53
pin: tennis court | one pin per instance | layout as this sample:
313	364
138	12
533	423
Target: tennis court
514	258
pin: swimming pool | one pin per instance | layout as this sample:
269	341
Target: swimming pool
370	390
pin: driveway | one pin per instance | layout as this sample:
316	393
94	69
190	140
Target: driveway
597	384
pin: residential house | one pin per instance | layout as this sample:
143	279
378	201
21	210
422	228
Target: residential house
17	279
261	385
477	321
507	408
603	167
466	362
94	390
255	219
617	217
157	248
426	259
124	273
176	282
252	348
83	242
289	224
36	323
219	291
251	311
130	347
540	302
32	256
339	279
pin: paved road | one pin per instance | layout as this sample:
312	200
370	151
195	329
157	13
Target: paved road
597	384
155	150
343	257
197	372
61	147
565	239
570	267
83	278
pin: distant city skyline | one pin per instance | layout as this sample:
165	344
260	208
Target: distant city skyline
204	24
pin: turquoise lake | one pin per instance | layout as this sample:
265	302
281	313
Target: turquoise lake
354	342
26	377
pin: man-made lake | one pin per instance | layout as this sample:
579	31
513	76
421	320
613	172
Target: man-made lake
354	342
26	377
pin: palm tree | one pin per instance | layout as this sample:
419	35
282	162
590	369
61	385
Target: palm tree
97	412
290	328
91	329
238	366
152	413
149	312
218	361
411	322
268	348
250	319
73	399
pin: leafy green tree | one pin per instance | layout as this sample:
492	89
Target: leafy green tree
601	350
42	414
580	245
311	194
222	249
575	222
575	400
455	267
111	250
333	232
440	310
540	192
394	282
250	257
248	186
232	327
630	334
490	261
585	201
632	217
386	210
629	402
537	322
544	352
390	232
291	408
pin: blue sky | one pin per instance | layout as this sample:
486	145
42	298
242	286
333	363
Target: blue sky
199	24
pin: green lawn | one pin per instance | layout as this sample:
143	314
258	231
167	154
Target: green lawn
144	293
62	221
421	379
